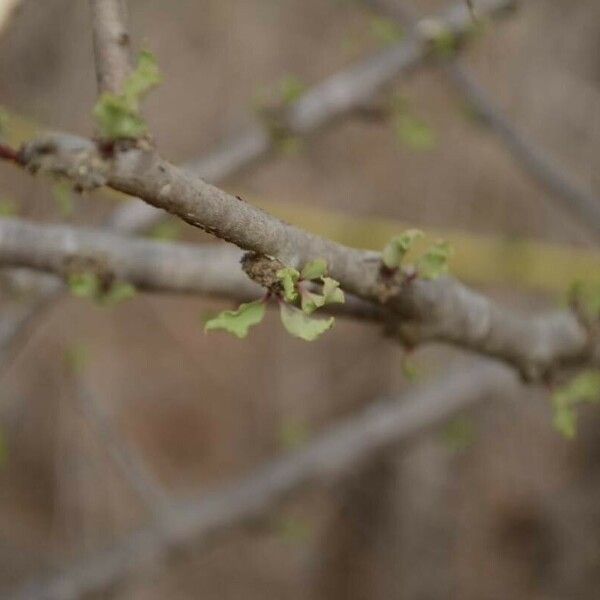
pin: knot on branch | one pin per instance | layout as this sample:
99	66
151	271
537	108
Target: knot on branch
263	270
68	156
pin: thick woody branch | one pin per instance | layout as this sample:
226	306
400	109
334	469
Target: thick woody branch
111	44
324	460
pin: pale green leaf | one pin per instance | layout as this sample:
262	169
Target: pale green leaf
587	294
434	262
118	115
288	276
310	301
409	369
145	77
239	321
314	269
84	285
118	292
565	420
64	198
584	388
290	89
414	132
397	247
300	325
331	291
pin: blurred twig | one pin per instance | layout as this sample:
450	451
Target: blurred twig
569	194
127	460
324	460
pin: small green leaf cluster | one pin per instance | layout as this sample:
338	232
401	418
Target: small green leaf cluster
87	284
63	197
410	129
586	295
430	265
118	115
584	388
297	303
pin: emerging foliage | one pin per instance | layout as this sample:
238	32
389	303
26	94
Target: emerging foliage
434	262
238	322
396	249
87	284
63	198
414	132
584	388
118	115
289	277
296	303
301	325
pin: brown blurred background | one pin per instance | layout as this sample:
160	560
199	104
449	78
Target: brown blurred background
510	511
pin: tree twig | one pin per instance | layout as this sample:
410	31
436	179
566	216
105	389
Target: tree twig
324	460
111	44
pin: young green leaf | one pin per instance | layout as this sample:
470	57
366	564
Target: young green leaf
585	387
310	301
118	115
414	132
290	89
288	276
145	77
397	247
118	292
331	291
63	197
84	285
301	325
587	295
239	321
434	262
314	269
409	369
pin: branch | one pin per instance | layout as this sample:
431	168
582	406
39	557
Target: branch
209	270
125	458
340	95
325	460
111	44
442	310
541	166
571	196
